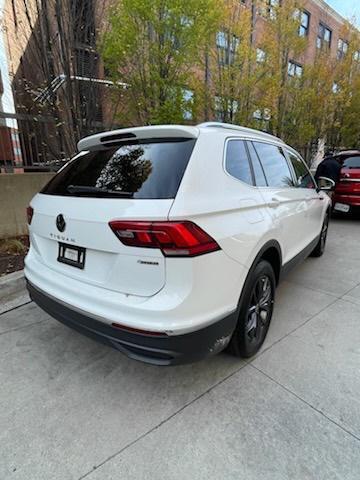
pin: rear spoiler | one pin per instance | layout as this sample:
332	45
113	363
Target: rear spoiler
104	140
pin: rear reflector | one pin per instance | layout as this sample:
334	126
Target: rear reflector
175	239
29	214
140	332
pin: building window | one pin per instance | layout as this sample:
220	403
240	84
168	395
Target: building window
343	47
268	8
304	24
186	21
225	109
227	45
272	6
188	100
262	114
295	69
221	40
324	37
260	55
356	56
170	36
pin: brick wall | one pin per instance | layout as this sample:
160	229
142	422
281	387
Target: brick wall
321	12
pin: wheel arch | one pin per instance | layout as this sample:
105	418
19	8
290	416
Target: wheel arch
271	252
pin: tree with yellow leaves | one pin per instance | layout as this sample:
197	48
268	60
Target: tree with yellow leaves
283	45
157	47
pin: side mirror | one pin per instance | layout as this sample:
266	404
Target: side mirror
326	184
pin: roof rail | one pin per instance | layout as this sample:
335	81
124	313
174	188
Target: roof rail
239	128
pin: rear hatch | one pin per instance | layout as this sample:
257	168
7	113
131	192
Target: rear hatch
124	176
350	176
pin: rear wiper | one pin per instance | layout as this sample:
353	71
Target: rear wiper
99	191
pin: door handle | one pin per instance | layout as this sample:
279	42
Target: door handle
310	199
274	202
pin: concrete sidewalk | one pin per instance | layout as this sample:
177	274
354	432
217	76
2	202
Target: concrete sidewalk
12	291
71	408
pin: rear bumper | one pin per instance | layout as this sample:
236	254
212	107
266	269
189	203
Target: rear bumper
164	350
348	199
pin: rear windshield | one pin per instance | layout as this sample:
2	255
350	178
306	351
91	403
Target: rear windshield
352	162
147	170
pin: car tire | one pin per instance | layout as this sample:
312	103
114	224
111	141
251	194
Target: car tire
320	246
256	308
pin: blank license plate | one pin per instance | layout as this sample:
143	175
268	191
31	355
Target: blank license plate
341	207
71	255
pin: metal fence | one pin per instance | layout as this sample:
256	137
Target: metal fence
36	142
28	141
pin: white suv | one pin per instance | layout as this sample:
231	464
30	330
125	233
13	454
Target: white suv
167	242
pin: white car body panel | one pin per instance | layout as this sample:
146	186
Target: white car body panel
109	263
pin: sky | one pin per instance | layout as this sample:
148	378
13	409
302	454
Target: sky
347	8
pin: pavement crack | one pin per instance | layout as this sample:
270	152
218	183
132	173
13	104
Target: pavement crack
329	419
153	429
336	299
347	292
330	294
22	327
295	329
15	308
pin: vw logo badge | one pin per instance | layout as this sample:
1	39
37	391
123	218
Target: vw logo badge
60	222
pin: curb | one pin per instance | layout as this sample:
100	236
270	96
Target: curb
12	285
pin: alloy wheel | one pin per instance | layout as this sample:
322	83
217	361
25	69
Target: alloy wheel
324	233
260	310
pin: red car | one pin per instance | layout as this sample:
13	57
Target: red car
347	193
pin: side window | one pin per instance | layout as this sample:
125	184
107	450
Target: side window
303	176
352	162
275	165
237	161
260	180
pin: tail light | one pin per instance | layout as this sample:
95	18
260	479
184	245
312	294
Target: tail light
29	213
175	239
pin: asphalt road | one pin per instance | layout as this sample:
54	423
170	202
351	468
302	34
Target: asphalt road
71	408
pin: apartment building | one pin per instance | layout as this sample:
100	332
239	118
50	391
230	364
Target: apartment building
320	24
324	27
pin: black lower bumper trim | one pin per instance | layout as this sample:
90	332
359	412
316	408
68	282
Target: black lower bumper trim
165	350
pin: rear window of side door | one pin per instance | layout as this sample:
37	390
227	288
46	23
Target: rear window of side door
241	192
